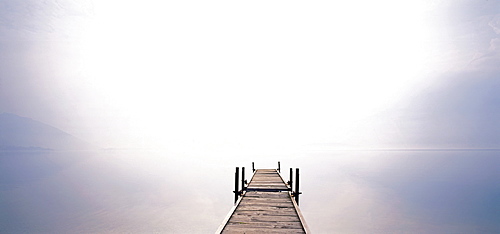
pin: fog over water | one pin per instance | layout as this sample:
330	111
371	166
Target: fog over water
343	191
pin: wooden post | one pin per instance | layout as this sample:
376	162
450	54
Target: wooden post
253	167
279	167
242	179
236	180
290	182
297	185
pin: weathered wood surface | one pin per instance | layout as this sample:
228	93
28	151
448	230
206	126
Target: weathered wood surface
267	179
266	207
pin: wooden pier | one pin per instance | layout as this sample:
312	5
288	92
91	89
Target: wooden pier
266	205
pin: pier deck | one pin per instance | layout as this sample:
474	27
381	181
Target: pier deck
266	206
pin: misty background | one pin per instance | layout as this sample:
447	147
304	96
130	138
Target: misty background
130	117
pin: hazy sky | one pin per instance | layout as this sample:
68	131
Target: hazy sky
258	75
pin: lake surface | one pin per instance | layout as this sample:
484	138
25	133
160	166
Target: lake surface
159	191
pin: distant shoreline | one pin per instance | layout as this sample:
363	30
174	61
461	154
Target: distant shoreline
471	149
416	149
24	148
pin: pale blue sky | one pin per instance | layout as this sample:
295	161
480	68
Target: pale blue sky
228	75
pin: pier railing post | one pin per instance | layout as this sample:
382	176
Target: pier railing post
290	182
236	180
279	167
253	167
297	192
243	182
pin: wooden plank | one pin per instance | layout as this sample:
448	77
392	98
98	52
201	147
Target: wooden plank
265	186
278	183
257	206
265	213
266	208
265	200
275	186
266	194
266	224
268	176
267	181
255	182
260	230
264	218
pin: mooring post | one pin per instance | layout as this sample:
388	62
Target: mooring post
242	179
279	167
290	182
297	185
253	167
236	180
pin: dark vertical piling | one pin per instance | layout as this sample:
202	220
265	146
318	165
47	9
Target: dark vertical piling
290	182
242	179
297	185
279	167
253	167
236	180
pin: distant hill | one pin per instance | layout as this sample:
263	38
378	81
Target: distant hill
20	133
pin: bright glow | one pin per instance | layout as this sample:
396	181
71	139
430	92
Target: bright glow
251	75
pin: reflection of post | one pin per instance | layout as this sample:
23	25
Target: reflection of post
242	179
236	193
279	167
290	182
297	185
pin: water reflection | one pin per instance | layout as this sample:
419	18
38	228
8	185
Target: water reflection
155	191
397	191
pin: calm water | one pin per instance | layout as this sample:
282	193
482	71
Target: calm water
343	191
